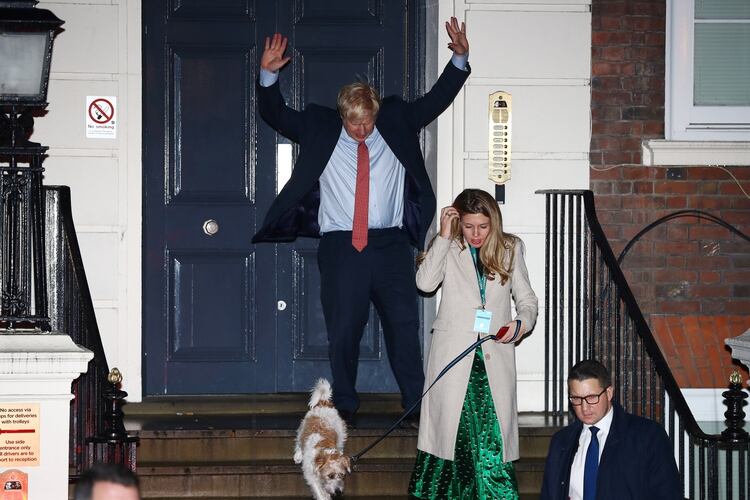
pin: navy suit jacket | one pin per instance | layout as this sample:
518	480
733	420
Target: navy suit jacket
294	212
637	462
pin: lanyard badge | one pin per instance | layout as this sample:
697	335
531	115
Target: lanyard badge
482	317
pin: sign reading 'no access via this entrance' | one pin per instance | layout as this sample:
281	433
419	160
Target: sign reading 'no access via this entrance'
101	120
19	434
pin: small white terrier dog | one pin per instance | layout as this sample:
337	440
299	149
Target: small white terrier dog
320	445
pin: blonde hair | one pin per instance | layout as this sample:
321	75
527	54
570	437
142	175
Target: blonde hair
356	100
497	252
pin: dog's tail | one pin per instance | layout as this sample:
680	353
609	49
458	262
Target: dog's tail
321	394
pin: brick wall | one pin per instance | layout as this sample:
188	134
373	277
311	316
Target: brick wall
685	266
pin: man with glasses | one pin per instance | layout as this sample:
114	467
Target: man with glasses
607	453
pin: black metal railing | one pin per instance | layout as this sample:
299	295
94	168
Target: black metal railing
71	311
590	312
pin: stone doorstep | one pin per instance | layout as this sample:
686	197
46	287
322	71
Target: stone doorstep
283	479
222	446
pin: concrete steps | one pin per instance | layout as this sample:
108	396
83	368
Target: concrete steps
242	448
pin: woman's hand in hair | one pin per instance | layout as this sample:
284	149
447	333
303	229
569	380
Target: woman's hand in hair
447	216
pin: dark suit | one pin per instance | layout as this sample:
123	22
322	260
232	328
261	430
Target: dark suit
349	279
637	461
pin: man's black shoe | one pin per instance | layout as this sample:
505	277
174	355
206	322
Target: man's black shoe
348	417
410	422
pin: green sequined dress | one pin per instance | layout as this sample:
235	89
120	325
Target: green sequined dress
478	470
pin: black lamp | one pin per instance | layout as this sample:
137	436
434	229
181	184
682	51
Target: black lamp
26	36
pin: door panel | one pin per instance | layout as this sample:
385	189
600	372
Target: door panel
222	315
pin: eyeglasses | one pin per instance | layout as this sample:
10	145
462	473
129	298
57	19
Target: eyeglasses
591	399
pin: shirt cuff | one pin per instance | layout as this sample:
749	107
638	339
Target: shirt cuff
268	78
458	60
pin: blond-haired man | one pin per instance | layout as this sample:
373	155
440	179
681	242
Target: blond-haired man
360	184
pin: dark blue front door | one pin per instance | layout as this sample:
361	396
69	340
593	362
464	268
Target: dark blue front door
222	315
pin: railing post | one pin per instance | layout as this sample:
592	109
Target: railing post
112	444
734	399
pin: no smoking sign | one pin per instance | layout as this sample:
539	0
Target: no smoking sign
101	120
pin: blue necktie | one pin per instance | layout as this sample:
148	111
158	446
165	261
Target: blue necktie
591	467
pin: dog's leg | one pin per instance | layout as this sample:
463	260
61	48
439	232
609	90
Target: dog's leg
318	492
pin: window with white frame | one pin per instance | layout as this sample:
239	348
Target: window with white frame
708	70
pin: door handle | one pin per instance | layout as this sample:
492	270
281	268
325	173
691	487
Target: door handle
210	227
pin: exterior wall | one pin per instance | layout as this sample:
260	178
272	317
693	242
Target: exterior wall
685	266
99	54
539	52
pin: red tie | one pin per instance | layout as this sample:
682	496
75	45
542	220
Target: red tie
361	198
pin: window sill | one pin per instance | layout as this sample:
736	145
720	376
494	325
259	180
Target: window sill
663	152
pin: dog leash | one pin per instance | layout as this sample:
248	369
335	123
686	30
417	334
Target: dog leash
450	365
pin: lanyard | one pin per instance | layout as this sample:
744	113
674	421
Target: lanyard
481	277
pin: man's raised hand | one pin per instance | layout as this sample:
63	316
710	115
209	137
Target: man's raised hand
273	54
459	43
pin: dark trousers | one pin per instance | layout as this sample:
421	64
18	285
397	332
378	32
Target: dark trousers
384	274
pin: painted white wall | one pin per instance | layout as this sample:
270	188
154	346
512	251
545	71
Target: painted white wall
539	51
99	54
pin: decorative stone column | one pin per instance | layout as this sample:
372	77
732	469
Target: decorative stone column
36	372
740	346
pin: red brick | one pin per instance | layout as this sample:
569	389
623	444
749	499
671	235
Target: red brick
736	276
623	188
599	38
618	158
611	98
737	306
707	232
676	247
676	202
605	202
608	23
638	173
613	68
710	203
677	232
640	202
709	277
677	261
655	39
610	8
601	187
643	187
674	276
742	203
675	187
706	262
708	188
653	9
614	54
703	291
730	188
605	113
703	173
608	174
683	306
736	217
653	128
644	53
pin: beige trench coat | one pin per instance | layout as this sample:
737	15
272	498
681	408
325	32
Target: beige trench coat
446	263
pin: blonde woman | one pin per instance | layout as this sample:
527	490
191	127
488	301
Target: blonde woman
468	434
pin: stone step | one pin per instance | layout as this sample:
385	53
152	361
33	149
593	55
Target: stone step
283	479
264	443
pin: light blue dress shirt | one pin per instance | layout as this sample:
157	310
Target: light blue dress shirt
339	178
